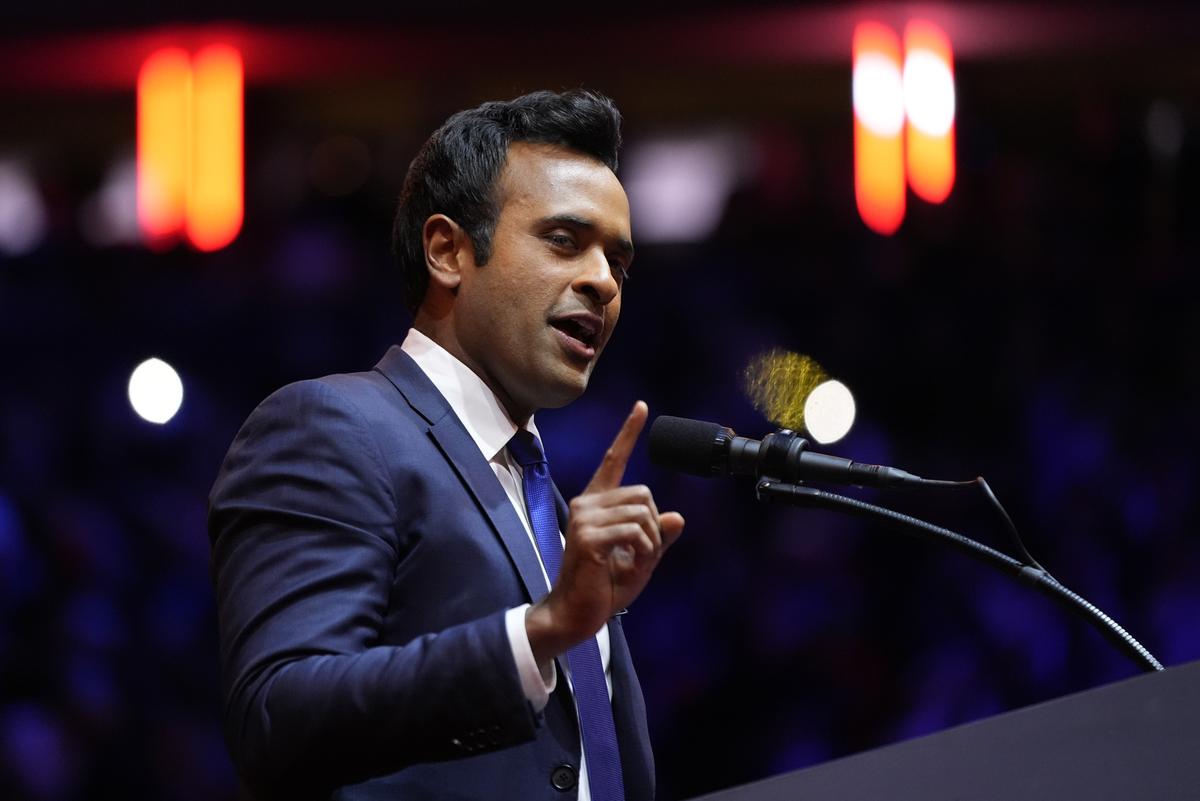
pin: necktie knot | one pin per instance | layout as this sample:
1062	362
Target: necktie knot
526	449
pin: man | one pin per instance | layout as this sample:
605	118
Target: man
384	543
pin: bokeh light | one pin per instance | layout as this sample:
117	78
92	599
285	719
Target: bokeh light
22	212
214	197
109	216
878	97
1165	130
829	411
155	391
778	382
929	105
878	94
679	186
929	99
163	141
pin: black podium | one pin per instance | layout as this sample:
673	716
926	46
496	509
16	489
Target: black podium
1136	740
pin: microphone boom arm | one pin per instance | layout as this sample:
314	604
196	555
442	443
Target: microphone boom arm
801	495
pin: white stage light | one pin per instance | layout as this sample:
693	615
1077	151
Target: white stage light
109	216
878	94
928	93
829	412
678	187
155	391
23	219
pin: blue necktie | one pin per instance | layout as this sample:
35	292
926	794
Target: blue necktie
587	671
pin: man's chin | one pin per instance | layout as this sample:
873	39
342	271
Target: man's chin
567	387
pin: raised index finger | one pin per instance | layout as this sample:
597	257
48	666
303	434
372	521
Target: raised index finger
612	468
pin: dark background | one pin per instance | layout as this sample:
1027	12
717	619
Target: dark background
1038	328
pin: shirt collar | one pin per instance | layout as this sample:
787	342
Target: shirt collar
477	407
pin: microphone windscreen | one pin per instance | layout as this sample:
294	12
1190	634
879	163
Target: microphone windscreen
688	446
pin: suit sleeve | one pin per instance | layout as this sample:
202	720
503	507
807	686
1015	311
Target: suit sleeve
303	523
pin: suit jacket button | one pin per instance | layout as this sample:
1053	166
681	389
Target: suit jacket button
564	777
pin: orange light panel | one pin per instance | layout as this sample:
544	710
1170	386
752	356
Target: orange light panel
214	199
929	102
163	132
879	187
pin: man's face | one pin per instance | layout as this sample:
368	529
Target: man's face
533	321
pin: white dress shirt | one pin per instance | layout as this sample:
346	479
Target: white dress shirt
490	427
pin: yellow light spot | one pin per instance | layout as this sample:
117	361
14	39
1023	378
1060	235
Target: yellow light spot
190	151
163	139
778	383
214	204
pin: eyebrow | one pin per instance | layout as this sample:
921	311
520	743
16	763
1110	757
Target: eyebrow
572	220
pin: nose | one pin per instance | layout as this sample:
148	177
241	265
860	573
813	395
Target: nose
596	279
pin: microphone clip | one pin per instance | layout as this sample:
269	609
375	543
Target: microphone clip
779	456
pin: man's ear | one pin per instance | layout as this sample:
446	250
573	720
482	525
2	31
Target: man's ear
447	251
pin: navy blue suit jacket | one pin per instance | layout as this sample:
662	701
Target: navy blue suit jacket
364	554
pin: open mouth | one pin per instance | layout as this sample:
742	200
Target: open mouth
583	328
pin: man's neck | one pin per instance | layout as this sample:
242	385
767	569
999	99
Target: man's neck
442	332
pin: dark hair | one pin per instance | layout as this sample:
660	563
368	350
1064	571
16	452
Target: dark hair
455	171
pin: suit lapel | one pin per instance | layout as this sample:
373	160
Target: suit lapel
468	463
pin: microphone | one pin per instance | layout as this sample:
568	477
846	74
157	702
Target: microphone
708	449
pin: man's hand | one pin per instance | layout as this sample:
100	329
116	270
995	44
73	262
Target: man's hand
615	537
